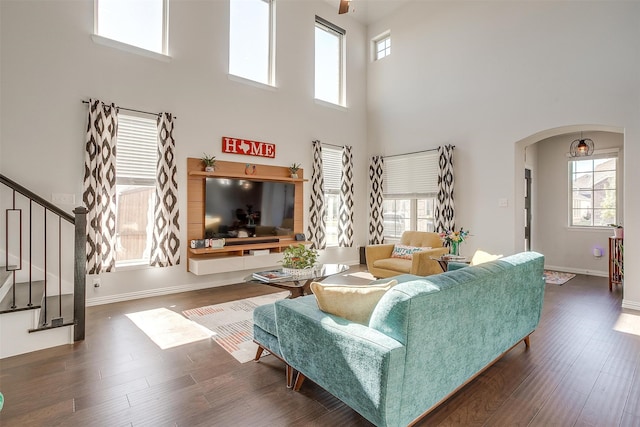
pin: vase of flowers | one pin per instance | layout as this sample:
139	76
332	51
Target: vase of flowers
453	239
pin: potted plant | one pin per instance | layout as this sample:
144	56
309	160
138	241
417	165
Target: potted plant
294	168
209	162
618	231
298	259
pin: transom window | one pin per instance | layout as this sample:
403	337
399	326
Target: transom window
141	23
382	46
593	192
136	164
410	189
251	28
329	62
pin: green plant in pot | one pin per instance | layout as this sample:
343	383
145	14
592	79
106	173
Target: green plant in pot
209	162
299	257
294	168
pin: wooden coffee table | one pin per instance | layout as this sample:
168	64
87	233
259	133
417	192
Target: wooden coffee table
302	286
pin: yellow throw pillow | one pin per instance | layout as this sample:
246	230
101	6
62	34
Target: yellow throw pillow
481	257
355	303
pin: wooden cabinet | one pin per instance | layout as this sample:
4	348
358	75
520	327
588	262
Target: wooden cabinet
615	261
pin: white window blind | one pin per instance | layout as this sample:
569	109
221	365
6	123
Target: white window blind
412	175
137	150
331	169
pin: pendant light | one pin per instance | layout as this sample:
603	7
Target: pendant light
581	147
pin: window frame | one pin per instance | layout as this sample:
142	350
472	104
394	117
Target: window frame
375	51
137	182
422	168
597	155
127	45
271	55
331	167
324	25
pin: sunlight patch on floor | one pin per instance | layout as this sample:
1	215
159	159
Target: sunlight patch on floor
167	328
628	323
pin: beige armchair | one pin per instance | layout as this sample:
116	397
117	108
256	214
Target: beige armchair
381	264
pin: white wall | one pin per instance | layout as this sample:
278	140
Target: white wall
490	77
49	64
568	249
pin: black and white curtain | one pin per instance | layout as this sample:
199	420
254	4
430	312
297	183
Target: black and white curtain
444	209
345	219
99	186
165	247
376	223
317	226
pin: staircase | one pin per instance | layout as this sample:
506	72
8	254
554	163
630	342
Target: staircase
42	272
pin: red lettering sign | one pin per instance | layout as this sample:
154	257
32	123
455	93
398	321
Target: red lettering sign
248	148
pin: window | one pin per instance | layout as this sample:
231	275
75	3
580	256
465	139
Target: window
329	68
382	46
410	189
136	163
251	40
593	192
332	172
138	23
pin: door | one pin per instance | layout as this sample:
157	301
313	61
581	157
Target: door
527	209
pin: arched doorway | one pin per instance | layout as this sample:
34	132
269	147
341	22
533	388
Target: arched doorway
567	248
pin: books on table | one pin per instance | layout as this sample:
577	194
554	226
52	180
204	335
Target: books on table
271	276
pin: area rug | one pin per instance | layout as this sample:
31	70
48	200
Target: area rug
232	323
557	277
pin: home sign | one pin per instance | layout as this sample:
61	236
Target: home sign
249	148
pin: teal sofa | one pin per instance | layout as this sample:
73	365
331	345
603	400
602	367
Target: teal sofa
427	337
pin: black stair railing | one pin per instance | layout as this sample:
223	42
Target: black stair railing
14	225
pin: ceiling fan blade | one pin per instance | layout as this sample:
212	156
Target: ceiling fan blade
344	7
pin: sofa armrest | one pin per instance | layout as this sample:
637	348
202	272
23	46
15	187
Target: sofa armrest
361	366
423	265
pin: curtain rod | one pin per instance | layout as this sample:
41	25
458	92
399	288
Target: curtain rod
135	111
413	152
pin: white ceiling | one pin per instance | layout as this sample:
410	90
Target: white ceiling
369	11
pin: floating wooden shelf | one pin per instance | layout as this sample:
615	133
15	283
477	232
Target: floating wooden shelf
204	174
239	250
236	257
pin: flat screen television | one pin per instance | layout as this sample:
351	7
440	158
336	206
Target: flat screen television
245	208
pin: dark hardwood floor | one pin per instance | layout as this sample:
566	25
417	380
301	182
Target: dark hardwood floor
579	371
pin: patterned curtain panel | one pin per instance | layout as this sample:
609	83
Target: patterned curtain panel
345	222
376	223
165	247
444	209
99	186
317	226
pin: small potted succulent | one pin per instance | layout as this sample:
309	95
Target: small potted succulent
209	162
298	260
618	231
294	168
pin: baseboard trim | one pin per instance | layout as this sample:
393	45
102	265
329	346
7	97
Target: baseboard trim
150	293
577	271
108	299
631	305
